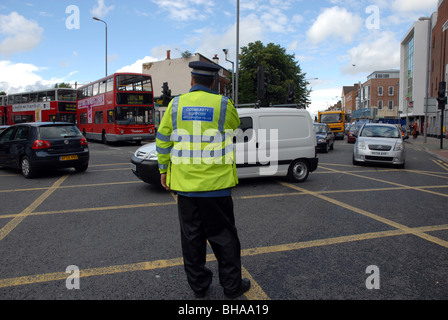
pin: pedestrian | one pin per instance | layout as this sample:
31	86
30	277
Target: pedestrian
415	130
193	125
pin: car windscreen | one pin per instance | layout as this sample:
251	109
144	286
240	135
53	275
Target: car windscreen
319	129
58	132
380	132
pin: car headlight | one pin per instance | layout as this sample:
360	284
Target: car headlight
361	145
151	155
398	146
322	140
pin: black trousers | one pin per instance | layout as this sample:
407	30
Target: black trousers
211	219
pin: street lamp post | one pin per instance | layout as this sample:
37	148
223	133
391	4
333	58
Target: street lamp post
97	19
226	51
237	50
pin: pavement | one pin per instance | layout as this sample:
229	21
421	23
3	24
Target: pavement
431	146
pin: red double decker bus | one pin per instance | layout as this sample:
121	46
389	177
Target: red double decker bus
46	105
119	107
3	110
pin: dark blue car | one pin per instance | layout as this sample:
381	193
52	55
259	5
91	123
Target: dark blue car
32	147
325	137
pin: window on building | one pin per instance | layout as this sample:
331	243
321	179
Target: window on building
391	90
391	105
380	104
380	91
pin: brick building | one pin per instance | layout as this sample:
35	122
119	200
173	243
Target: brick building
379	94
439	62
348	98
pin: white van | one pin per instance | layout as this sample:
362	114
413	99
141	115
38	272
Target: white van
269	142
275	142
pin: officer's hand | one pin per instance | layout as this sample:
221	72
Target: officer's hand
163	181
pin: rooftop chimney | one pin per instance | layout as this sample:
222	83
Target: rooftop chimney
168	54
216	59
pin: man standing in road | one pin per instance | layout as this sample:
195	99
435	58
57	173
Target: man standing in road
196	159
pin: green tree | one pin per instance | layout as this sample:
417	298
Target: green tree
281	71
63	85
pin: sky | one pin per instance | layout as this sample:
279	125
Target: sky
336	42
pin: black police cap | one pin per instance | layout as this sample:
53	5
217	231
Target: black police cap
203	68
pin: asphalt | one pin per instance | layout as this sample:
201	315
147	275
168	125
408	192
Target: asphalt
432	146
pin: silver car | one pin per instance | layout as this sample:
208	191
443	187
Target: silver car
379	143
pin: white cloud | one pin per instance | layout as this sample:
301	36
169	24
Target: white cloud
136	67
414	5
23	77
379	52
101	9
21	34
186	10
336	22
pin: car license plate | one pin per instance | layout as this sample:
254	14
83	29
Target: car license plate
137	138
67	158
379	153
133	167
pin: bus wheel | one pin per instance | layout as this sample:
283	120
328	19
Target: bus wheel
104	138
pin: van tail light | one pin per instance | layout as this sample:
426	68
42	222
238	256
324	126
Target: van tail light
84	141
41	144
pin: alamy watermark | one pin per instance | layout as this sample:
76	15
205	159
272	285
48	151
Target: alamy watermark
373	280
72	281
73	21
373	21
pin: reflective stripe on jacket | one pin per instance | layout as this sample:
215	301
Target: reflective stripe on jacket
195	142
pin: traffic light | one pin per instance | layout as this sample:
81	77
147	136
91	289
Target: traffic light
441	99
166	94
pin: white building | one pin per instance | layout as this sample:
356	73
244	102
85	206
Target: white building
414	71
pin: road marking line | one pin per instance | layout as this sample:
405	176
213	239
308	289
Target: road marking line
441	164
168	263
255	292
84	210
11	225
74	186
390	182
391	223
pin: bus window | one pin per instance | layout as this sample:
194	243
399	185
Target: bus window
95	89
99	117
102	87
51	96
66	95
110	85
83	118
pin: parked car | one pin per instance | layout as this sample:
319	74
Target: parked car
295	155
379	143
352	133
324	136
3	128
31	147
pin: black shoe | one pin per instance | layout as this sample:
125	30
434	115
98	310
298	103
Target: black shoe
244	287
200	295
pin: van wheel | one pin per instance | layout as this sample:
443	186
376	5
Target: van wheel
298	171
27	168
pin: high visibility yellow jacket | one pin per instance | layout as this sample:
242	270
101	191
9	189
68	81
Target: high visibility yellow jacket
195	142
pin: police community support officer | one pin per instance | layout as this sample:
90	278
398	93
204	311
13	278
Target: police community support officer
196	159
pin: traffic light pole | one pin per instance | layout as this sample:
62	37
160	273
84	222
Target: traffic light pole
442	100
441	127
